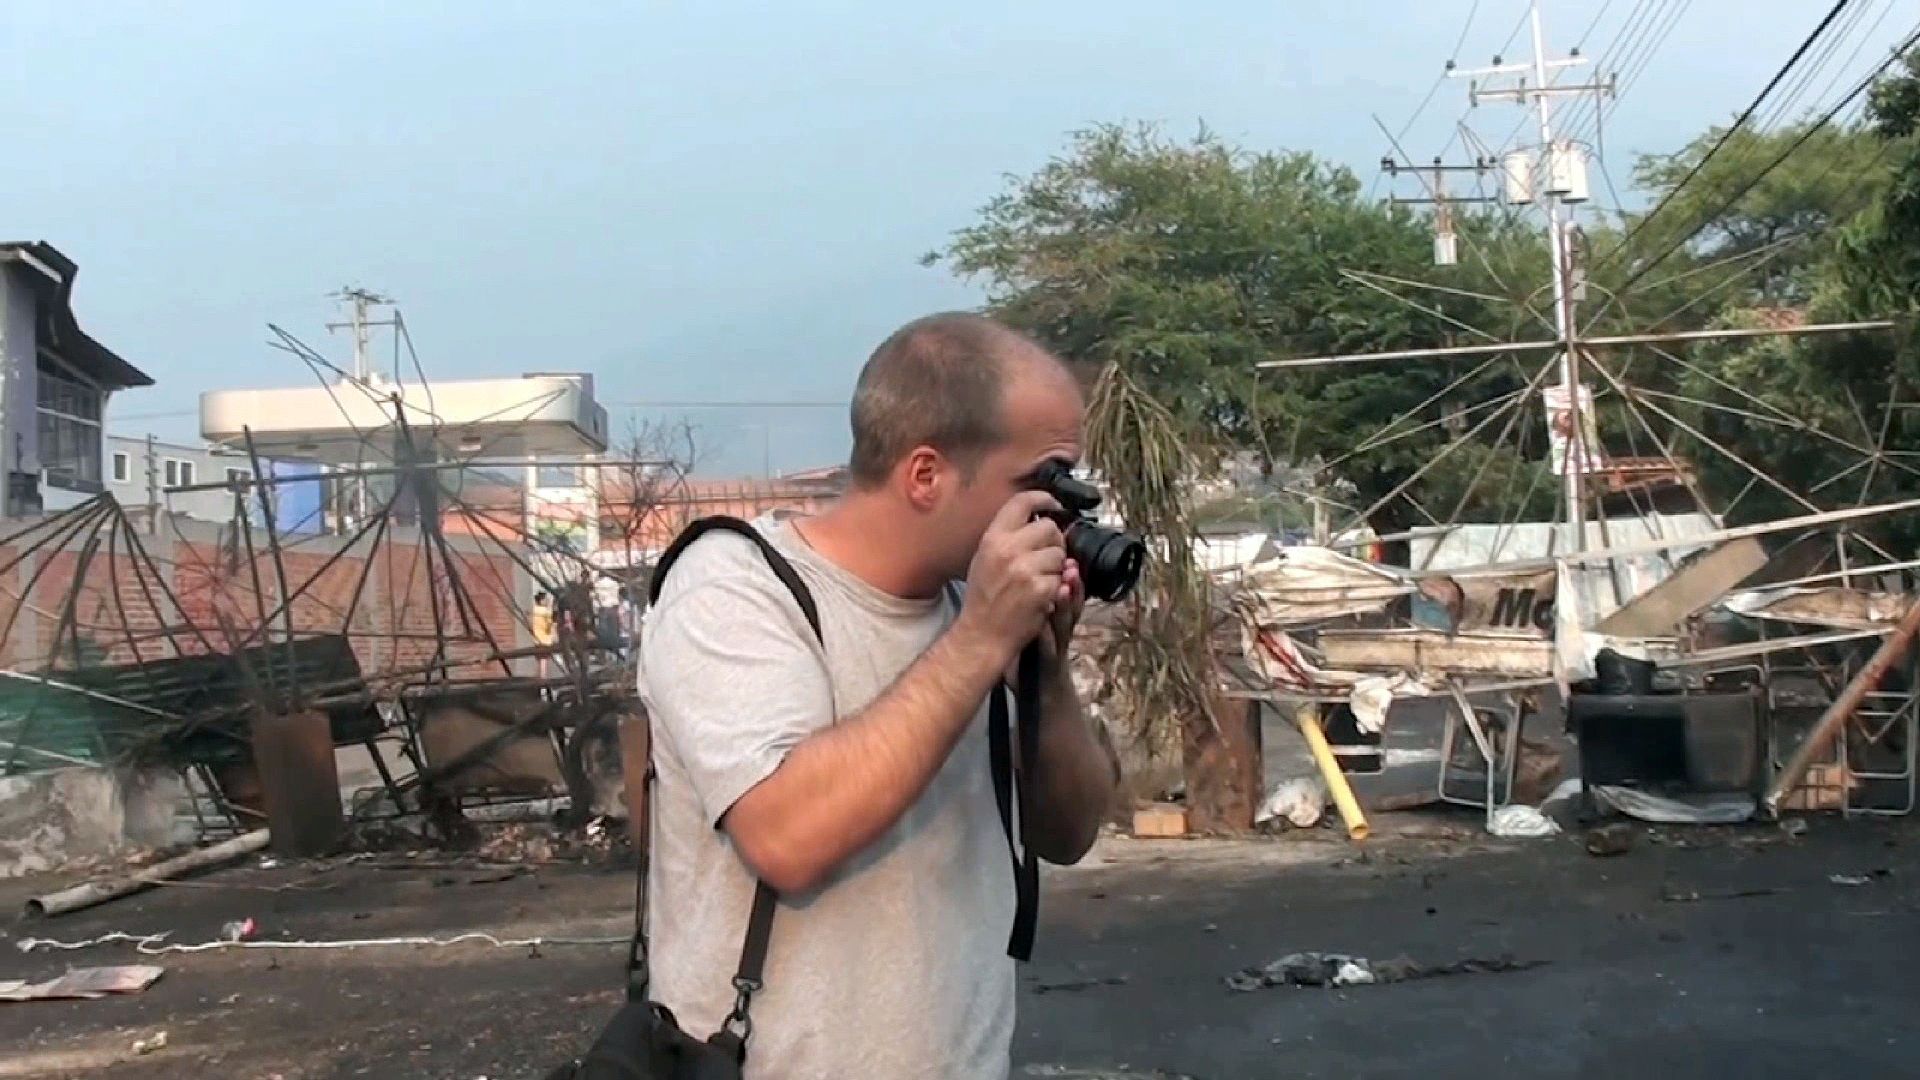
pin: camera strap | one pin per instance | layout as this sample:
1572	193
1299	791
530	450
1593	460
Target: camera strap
753	949
1013	784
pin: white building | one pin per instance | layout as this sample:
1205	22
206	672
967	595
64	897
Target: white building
139	471
54	384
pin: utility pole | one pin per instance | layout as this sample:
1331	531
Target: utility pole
360	303
153	486
1558	172
1434	179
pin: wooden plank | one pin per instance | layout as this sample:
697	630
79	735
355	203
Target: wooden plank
1690	590
1432	651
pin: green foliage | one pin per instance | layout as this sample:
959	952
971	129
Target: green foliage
1186	263
1878	268
1788	215
1854	194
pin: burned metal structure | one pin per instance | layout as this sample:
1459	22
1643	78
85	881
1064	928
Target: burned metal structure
1692	649
247	656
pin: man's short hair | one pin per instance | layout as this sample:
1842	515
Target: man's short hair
938	382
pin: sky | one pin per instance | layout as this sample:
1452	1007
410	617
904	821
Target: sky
699	202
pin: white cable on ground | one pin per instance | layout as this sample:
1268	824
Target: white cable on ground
156	944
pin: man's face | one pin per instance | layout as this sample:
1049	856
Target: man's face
1041	416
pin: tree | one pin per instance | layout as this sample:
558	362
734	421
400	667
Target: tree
1186	263
1811	411
640	493
1783	224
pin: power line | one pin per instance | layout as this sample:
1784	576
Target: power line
1631	69
1739	123
1588	32
1816	66
1513	37
1739	156
1872	28
1471	12
1631	29
1420	109
1858	89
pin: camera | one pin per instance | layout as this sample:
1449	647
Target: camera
1109	560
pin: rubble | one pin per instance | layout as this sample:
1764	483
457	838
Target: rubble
84	984
1336	970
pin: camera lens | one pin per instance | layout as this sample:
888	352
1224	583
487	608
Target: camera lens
1109	561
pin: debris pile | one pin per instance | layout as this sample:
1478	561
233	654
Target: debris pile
1335	970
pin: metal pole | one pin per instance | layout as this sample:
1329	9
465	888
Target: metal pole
1563	319
153	487
279	563
1827	728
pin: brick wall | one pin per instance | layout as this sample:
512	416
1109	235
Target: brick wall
221	591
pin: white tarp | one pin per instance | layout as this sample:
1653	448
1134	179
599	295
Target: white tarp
1584	453
1299	586
1582	595
1840	608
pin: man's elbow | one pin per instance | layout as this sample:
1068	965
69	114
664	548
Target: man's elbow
788	866
786	872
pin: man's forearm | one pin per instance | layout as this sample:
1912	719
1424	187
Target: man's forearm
1076	774
843	787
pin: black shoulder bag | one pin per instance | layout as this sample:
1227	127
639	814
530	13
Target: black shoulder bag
644	1041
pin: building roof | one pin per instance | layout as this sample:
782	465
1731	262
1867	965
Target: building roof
53	274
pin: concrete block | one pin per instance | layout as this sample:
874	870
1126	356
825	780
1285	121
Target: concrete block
1160	822
1823	789
52	819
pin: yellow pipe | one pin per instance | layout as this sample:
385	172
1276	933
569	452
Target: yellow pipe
1308	718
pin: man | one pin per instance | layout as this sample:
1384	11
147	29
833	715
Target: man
854	780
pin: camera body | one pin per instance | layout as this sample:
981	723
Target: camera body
1109	560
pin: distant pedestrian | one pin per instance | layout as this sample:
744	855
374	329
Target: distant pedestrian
540	621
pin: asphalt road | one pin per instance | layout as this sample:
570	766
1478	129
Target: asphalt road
1707	953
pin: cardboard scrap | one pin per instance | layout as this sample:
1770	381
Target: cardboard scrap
83	984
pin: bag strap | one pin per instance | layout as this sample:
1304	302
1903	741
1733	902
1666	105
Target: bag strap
1012	785
753	950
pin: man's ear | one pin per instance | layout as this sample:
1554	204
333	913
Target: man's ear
924	476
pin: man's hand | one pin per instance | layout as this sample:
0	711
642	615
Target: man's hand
1066	616
1077	768
1018	577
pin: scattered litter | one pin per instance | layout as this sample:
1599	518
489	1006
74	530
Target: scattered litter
1521	821
1340	970
1794	826
1301	800
1609	840
1079	984
1353	974
1565	791
1372	696
519	843
157	944
84	984
1690	896
1686	809
268	864
240	930
1856	880
155	1041
1116	1073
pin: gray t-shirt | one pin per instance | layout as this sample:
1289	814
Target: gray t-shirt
897	967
